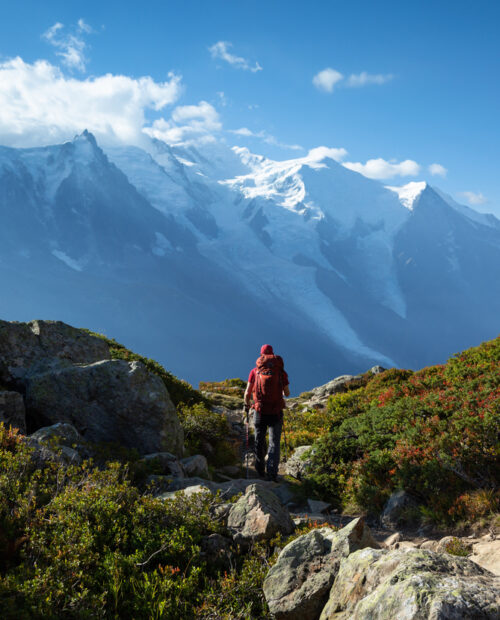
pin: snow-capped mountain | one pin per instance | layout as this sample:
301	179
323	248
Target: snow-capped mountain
194	255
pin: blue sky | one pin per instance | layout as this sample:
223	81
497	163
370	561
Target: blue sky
404	84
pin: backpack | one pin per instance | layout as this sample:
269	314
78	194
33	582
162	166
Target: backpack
268	387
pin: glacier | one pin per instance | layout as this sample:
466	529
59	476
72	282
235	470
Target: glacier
197	254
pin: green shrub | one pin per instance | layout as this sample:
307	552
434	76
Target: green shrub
207	432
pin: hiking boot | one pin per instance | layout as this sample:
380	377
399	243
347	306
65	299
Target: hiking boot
262	474
272	477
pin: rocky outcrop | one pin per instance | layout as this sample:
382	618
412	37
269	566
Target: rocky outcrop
258	515
411	584
12	412
300	463
111	400
298	585
24	345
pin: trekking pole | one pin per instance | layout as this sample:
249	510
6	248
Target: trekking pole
284	440
246	437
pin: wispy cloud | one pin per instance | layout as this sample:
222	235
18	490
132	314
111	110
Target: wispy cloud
382	169
474	198
265	137
114	107
71	46
438	170
328	79
325	80
188	122
220	50
364	78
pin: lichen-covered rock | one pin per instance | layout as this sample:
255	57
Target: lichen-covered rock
113	401
397	508
300	463
195	465
12	411
65	434
297	586
411	585
258	515
22	345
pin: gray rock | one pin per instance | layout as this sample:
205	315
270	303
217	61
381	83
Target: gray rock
396	509
43	455
393	539
216	547
411	584
22	345
166	462
339	384
233	471
317	506
220	512
297	586
114	401
12	412
376	370
65	434
196	465
178	484
299	464
258	515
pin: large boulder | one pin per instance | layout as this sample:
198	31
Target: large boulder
108	401
412	584
24	345
258	515
12	412
299	464
297	586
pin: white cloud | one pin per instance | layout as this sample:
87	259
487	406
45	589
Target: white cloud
329	78
40	105
220	50
223	100
71	46
382	169
320	152
474	198
364	78
325	80
188	122
265	137
438	170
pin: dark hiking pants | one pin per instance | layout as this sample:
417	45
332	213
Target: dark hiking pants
274	423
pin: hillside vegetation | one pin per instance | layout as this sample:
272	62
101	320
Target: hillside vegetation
82	541
434	433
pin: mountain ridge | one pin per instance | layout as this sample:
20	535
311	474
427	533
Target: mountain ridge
305	253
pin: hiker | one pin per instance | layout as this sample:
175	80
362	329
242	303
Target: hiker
267	383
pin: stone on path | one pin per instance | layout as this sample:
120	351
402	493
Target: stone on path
258	515
298	585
